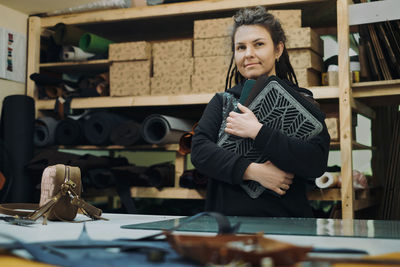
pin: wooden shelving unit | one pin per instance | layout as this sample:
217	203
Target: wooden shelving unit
348	95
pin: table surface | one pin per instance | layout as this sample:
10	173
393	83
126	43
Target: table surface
109	230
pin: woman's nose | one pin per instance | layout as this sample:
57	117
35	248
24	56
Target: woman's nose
249	51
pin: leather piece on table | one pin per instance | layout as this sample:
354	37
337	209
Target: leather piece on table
14	261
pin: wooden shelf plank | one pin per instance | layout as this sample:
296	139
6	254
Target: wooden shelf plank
376	88
324	92
363	196
321	92
167	192
168	147
335	145
167	10
100	65
129	101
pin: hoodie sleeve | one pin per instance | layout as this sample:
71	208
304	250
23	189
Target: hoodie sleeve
207	156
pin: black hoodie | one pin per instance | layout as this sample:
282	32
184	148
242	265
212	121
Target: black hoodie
306	159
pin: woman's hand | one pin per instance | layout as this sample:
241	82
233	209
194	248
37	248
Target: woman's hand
243	124
269	176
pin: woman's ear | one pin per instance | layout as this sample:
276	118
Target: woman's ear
279	50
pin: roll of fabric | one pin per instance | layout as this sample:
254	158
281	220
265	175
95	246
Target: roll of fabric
17	127
93	43
74	53
161	175
97	128
162	129
126	133
328	180
100	178
45	131
69	132
67	34
192	179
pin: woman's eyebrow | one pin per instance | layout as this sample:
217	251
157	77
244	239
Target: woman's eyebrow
254	41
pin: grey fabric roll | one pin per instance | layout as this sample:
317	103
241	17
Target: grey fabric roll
162	129
45	130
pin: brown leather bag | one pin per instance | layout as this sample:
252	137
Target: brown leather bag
60	197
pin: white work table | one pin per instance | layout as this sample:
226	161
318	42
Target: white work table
108	230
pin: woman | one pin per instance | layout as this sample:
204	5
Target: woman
258	44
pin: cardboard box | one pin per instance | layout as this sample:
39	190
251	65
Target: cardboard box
305	58
172	66
129	51
211	28
206	84
219	46
304	38
308	77
289	18
332	123
170	85
130	78
173	49
217	65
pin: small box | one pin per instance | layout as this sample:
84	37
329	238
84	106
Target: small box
171	66
206	84
219	46
217	65
308	77
173	49
332	123
304	38
211	28
289	18
305	58
170	85
130	78
129	51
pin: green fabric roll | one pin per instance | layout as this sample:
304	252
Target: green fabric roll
67	34
94	44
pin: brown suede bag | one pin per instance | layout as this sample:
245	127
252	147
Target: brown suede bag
60	197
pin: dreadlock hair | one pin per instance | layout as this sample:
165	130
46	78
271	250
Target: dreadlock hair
260	16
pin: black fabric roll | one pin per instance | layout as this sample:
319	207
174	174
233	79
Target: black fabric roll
131	174
97	128
45	131
17	126
161	175
69	132
193	179
100	178
126	133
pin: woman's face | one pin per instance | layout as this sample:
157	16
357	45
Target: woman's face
255	53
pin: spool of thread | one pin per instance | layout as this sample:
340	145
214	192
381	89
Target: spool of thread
328	180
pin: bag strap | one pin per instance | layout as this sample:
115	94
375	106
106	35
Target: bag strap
16	209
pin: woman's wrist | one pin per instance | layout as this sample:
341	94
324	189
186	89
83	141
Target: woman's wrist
256	130
249	172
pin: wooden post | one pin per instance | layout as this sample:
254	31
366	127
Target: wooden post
180	166
33	58
345	110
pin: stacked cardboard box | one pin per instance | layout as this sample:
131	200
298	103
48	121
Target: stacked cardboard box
212	54
172	67
305	50
130	68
